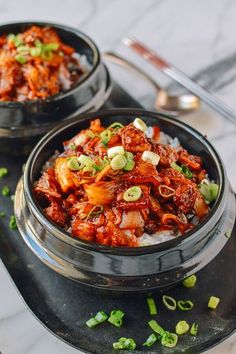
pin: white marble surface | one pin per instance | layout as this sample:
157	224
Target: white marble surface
192	35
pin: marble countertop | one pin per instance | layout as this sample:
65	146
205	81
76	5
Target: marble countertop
196	36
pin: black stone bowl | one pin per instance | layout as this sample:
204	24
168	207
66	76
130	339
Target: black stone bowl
22	123
125	269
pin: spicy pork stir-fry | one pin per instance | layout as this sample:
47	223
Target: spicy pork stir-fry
36	64
113	185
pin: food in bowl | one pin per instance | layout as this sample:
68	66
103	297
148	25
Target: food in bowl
37	64
125	186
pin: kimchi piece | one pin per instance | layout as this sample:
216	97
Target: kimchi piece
125	186
36	64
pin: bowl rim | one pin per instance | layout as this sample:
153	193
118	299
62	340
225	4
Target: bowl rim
59	95
66	237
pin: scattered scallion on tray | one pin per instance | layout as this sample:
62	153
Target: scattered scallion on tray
190	281
100	317
116	318
3	172
151	305
5	191
213	302
125	343
185	305
12	223
182	327
194	329
150	340
169	302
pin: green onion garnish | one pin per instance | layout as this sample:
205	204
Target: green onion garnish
5	191
115	126
129	161
3	172
185	305
169	302
132	194
51	46
116	318
213	302
20	58
72	146
183	169
209	191
125	343
90	134
169	340
12	197
12	223
106	136
2	214
35	52
151	340
156	327
176	167
182	327
152	306
100	317
194	329
96	210
190	281
118	162
73	164
15	39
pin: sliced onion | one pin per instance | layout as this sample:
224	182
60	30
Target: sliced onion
170	191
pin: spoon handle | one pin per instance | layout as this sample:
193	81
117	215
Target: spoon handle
180	77
117	59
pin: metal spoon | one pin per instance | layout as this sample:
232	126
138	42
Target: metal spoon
183	103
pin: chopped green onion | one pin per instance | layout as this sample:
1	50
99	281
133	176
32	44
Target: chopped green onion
132	194
12	223
90	134
152	306
114	151
116	318
35	52
186	171
176	167
185	305
156	327
23	49
151	340
209	191
182	327
5	191
38	43
125	343
2	214
20	58
106	136
115	126
190	281
139	124
51	46
12	197
96	210
15	39
118	162
130	161
194	329
3	172
72	146
85	160
100	317
169	340
73	164
169	302
90	169
151	157
47	55
213	302
129	165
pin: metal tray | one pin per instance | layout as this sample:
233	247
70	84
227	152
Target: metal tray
63	306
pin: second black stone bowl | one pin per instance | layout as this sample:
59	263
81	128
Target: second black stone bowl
125	269
22	123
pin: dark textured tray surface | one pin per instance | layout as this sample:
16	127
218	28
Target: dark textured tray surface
63	307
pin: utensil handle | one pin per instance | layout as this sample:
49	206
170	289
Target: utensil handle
180	77
205	96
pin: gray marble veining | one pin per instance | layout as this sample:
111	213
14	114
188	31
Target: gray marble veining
196	36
